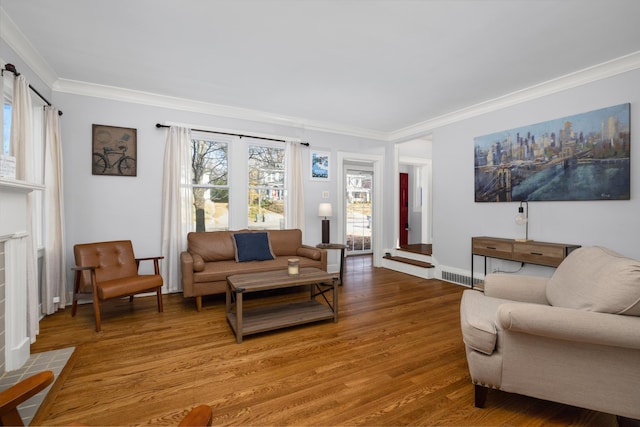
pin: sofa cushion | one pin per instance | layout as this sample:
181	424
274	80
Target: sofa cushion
218	271
596	279
478	320
285	242
211	245
252	247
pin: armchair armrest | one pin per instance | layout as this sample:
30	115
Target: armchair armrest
571	325
199	416
149	258
86	267
18	393
517	288
155	260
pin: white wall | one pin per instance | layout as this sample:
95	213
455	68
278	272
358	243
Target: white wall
614	224
107	207
112	207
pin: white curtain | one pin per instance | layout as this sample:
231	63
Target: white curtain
22	147
295	198
177	204
55	274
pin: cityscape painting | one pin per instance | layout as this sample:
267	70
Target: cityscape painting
580	157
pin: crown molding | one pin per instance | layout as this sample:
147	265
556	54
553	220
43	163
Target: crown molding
147	98
11	34
15	39
591	74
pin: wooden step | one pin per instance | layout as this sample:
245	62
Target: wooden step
409	261
417	248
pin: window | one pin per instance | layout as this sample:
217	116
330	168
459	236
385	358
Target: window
6	131
6	96
359	212
218	183
210	169
266	190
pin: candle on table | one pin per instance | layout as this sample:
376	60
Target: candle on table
293	266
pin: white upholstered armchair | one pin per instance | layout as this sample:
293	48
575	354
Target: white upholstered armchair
573	338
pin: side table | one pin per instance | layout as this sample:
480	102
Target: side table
335	246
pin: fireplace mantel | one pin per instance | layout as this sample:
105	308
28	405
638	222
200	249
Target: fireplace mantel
18	186
14	234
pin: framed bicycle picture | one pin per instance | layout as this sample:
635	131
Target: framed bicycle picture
114	150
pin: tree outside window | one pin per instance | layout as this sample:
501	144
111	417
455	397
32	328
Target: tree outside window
266	187
210	168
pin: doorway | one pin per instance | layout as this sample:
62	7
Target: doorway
374	163
414	188
359	213
404	209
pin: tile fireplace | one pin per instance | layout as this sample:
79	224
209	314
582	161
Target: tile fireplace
13	238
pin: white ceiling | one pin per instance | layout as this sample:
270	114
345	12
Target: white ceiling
373	65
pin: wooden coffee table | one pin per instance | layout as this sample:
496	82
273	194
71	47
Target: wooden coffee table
276	316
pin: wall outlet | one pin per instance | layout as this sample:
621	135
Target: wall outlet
56	300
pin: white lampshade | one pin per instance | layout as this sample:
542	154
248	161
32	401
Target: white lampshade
325	210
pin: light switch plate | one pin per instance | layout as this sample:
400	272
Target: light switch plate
325	194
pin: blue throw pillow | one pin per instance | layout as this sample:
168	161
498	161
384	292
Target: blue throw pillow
252	247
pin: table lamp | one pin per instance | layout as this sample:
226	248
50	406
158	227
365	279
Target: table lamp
325	211
522	218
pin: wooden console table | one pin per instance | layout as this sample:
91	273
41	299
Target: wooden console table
530	252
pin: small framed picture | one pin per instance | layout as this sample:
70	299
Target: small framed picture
320	165
114	150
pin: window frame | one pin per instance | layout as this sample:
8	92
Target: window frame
238	176
284	191
217	139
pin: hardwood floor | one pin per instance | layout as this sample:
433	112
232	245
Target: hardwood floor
396	357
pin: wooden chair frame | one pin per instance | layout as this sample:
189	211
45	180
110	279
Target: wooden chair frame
201	415
20	392
94	284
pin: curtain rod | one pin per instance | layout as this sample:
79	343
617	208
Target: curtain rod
306	144
12	68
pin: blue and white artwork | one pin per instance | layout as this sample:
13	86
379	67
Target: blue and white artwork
580	157
319	165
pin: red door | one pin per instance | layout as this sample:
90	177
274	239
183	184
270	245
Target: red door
404	209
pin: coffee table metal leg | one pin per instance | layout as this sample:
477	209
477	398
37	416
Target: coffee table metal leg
239	317
342	261
335	301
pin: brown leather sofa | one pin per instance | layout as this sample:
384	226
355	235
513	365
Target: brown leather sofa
211	257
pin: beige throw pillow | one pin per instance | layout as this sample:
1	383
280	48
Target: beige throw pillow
597	279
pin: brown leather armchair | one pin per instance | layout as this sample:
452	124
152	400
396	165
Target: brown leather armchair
110	270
